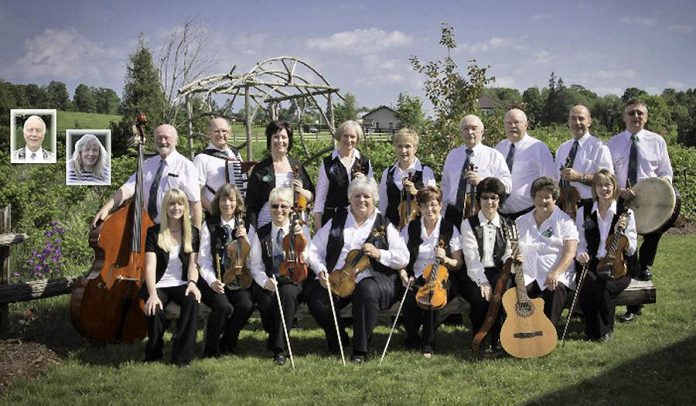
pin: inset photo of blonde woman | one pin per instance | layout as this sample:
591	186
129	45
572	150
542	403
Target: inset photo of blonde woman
88	157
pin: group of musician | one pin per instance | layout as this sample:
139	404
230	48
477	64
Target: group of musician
494	205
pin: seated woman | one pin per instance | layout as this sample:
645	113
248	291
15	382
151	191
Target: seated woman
423	236
548	241
407	175
171	275
89	164
596	222
486	248
276	170
266	258
362	227
231	305
337	171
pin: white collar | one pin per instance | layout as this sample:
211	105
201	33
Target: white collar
483	220
611	211
356	154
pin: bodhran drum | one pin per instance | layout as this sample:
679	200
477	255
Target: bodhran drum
656	205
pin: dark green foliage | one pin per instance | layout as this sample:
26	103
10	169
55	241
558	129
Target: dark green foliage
84	99
347	110
409	110
57	95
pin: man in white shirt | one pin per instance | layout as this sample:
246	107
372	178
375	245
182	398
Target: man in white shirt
457	179
168	170
34	133
213	165
639	154
579	158
527	159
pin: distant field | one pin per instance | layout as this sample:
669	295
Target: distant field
68	120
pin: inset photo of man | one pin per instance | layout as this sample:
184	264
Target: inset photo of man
33	136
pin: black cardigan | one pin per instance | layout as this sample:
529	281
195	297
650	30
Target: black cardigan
163	256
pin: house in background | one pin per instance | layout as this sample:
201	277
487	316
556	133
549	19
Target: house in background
487	104
380	120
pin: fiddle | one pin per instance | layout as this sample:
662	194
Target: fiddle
293	265
300	200
613	265
408	207
236	271
342	281
569	197
471	205
433	295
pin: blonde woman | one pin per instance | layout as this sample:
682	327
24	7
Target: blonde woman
89	163
171	275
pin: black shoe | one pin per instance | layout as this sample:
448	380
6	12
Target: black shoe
605	338
627	317
644	275
279	359
358	358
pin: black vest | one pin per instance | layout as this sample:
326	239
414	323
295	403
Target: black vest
500	243
415	240
264	235
217	238
337	195
591	228
394	194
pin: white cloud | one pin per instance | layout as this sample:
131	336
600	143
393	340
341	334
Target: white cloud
614	74
540	16
682	28
360	41
496	43
504	81
636	20
675	84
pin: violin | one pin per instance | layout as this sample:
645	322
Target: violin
569	197
236	271
613	265
408	207
471	205
342	280
293	265
105	304
300	200
433	295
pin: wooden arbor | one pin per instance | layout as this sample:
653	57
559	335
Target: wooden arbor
266	85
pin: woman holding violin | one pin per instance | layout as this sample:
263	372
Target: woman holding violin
171	275
272	246
599	223
401	182
338	170
231	304
276	170
357	233
434	246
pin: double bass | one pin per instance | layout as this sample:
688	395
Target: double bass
105	304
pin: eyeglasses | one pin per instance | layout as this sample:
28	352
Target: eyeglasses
493	198
280	206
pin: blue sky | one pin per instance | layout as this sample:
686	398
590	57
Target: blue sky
363	47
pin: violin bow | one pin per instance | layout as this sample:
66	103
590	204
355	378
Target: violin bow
583	274
285	328
333	312
396	319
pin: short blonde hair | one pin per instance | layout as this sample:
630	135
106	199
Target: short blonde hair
164	239
406	134
605	176
281	194
349	125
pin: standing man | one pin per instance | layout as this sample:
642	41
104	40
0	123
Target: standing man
33	152
168	170
214	165
456	176
527	158
584	153
639	154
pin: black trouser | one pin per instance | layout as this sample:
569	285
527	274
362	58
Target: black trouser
597	305
554	300
270	314
415	317
365	300
229	313
479	305
454	215
185	338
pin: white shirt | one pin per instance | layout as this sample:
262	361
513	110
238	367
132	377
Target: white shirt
281	180
255	263
211	170
489	162
532	160
542	247
475	264
38	156
591	156
428	180
172	275
353	238
604	225
178	172
322	188
426	250
653	159
205	259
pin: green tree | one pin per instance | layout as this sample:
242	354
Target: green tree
36	96
84	99
556	105
57	95
533	104
409	110
633	93
507	97
347	110
607	115
107	100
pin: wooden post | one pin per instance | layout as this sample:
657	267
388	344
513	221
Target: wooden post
5	223
247	122
189	119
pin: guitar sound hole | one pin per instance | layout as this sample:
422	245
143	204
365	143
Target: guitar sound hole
525	309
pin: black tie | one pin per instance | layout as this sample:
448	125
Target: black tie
573	152
461	191
33	156
633	162
510	157
152	201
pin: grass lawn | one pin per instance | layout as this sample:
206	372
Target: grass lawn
68	120
650	361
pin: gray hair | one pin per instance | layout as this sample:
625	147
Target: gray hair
364	184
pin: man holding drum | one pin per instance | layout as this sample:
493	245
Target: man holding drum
639	154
